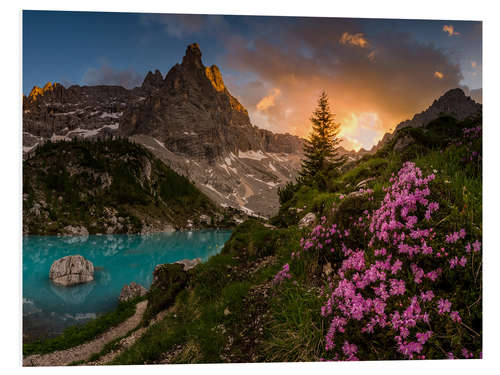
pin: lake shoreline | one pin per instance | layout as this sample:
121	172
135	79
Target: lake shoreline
48	308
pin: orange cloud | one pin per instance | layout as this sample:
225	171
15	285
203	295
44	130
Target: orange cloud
371	56
438	75
269	100
450	30
351	143
473	64
360	130
357	40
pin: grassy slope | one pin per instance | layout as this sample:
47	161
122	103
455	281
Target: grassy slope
80	180
232	312
292	328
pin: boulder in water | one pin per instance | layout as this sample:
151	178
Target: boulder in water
71	270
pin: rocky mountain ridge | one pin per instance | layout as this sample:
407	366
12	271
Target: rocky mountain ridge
453	103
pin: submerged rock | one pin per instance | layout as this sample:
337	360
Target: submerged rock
71	270
132	291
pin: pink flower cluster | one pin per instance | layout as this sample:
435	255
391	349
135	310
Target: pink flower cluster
283	274
370	288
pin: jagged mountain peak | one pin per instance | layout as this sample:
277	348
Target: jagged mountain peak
192	58
192	61
194	114
152	80
454	97
214	75
456	92
38	91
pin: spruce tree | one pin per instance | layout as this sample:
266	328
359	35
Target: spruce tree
321	148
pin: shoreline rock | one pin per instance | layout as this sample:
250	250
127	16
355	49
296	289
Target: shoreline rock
131	291
189	263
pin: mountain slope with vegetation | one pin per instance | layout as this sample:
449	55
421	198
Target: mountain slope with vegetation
297	294
110	186
388	266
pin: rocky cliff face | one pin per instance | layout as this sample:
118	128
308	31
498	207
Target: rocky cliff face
453	103
192	112
58	113
191	121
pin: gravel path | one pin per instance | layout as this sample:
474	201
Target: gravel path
127	342
85	350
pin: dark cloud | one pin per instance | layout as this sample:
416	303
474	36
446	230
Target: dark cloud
372	85
182	25
106	75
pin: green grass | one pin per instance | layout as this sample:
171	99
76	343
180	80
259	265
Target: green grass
213	304
296	330
76	335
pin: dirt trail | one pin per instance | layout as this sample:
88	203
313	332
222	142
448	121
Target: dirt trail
85	350
127	342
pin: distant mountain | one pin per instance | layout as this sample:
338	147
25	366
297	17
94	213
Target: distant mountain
453	103
110	186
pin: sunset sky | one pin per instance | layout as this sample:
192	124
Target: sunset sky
377	72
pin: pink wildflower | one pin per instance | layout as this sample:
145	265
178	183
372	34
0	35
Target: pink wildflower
476	245
444	306
455	316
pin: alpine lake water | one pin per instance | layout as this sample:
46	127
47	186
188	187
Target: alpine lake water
118	260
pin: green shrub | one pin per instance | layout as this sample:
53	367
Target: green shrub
169	280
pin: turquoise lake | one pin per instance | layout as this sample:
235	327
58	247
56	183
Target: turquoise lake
117	259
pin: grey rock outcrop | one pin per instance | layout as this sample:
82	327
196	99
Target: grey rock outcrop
189	263
308	220
403	142
80	231
131	291
71	270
